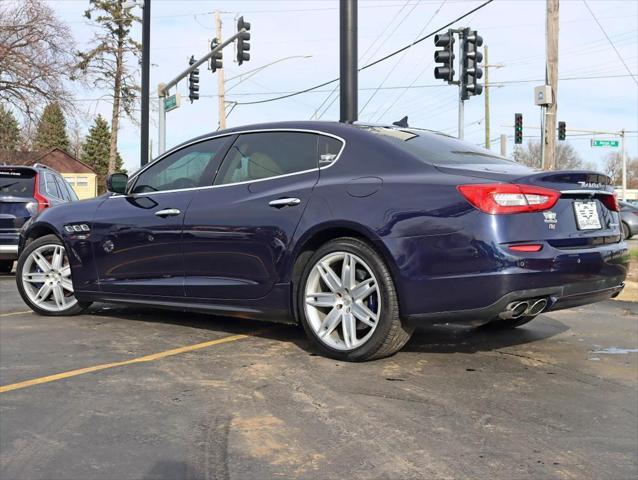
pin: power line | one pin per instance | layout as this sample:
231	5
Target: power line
381	34
400	58
382	59
610	42
393	87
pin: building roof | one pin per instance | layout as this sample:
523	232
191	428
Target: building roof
55	158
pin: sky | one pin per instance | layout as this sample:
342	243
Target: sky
308	30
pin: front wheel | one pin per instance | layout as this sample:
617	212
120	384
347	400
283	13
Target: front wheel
626	233
347	302
43	276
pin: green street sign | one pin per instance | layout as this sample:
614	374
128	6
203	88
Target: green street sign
604	143
172	102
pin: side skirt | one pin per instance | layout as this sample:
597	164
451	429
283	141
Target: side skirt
274	307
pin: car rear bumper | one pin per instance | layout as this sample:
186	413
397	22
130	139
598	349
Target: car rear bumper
557	298
439	280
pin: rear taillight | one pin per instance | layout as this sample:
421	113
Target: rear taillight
505	198
43	202
611	202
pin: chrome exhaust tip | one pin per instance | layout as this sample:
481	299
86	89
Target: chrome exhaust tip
514	310
537	307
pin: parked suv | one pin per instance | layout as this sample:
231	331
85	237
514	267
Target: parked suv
24	192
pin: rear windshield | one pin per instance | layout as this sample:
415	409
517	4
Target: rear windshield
16	182
436	148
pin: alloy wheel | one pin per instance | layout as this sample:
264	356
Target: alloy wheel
342	301
46	278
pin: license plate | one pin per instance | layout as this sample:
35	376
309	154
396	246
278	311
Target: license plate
587	216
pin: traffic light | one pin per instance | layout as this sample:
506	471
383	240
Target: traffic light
562	133
242	41
470	60
216	59
193	82
518	128
445	56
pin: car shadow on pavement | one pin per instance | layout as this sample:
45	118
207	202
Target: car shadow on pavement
461	339
434	339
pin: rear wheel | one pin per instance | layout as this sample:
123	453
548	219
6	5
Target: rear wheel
347	302
6	266
626	233
43	276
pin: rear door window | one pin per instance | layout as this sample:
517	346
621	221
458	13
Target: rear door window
15	182
261	155
51	186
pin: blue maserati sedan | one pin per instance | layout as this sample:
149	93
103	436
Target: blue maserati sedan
358	232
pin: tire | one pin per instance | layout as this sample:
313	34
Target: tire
44	263
626	233
6	266
499	325
339	314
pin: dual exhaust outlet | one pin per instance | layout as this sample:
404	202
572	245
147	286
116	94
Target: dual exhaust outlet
523	308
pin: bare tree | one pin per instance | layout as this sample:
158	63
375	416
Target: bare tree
613	168
566	156
107	63
36	57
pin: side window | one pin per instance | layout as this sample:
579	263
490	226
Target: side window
64	194
190	167
50	186
329	148
256	156
72	196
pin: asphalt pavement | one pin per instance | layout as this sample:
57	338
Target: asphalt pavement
128	393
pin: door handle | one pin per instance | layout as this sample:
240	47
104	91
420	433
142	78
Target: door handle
284	202
167	212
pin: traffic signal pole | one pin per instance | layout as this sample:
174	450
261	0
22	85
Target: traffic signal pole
163	88
461	104
221	87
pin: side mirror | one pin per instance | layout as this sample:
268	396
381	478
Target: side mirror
116	182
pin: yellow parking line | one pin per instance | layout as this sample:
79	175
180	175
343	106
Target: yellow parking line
96	368
15	313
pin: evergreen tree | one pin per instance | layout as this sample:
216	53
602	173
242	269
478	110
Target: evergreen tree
95	152
9	130
51	131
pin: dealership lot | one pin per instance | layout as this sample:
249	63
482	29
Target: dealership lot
191	396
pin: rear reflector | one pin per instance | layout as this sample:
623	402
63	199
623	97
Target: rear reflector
506	198
532	247
611	202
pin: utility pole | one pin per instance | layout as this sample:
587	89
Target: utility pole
487	100
551	79
623	161
221	88
146	64
348	92
503	145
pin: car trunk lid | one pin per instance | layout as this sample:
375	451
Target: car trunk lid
584	215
